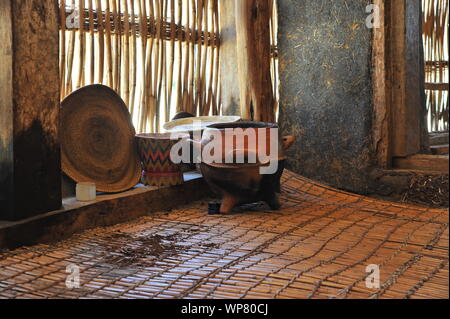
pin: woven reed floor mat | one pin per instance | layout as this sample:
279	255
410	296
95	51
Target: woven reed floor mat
317	246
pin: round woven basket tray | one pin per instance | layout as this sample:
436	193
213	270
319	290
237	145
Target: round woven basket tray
97	140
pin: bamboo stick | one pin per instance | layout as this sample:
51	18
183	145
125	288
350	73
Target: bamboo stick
70	58
185	94
116	64
163	75
151	77
143	28
126	51
199	57
101	42
91	37
212	59
133	58
145	83
159	7
62	59
219	89
82	44
109	44
157	59
180	58
273	23
171	61
205	50
191	108
120	30
217	65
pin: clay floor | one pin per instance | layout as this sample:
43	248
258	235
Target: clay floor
317	246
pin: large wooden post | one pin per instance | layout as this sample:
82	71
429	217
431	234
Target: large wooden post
253	56
406	78
399	102
228	60
30	170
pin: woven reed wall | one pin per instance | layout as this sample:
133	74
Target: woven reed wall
435	37
161	56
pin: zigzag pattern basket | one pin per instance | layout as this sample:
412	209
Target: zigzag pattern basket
157	168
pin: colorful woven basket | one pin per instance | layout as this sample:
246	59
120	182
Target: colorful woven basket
157	168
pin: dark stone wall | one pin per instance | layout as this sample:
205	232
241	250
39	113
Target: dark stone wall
326	89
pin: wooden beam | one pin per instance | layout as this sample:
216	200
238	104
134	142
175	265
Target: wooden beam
423	162
206	38
253	56
436	86
30	175
439	149
439	138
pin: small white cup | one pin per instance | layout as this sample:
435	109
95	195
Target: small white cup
86	192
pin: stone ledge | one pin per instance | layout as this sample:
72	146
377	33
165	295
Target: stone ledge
108	209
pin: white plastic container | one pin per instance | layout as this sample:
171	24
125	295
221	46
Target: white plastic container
86	192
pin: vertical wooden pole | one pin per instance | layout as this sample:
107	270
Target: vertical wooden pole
253	47
30	169
228	57
406	78
399	123
381	124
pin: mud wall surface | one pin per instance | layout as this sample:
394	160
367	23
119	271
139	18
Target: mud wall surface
326	89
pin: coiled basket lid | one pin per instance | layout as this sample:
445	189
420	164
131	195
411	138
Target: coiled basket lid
97	139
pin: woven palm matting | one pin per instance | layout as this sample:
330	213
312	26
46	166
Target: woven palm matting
318	245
